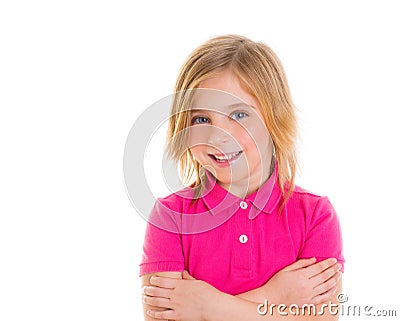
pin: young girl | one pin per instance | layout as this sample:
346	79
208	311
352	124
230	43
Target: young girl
243	232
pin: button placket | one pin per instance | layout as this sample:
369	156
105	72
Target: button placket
242	248
243	237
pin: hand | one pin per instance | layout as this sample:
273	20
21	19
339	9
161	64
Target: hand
305	282
185	298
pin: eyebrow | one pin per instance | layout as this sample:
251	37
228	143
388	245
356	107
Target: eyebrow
240	104
235	105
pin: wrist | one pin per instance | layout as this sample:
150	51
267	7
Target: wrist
271	293
212	304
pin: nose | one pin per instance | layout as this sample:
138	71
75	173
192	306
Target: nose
218	135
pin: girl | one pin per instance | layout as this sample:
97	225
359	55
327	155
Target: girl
243	232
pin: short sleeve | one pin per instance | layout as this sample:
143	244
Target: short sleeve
323	234
162	249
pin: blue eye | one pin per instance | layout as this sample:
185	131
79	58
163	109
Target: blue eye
200	120
239	115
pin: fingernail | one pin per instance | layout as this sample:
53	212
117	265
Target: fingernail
144	290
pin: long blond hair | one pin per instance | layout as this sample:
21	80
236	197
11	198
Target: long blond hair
261	74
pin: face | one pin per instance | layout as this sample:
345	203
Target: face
228	135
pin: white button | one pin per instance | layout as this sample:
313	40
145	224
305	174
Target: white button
243	205
243	238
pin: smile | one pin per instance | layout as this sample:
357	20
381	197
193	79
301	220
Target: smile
223	158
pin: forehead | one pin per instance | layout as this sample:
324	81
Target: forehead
216	100
227	82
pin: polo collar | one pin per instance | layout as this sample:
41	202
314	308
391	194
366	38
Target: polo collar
218	200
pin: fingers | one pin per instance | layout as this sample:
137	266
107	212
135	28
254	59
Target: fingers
156	291
326	275
317	268
163	282
321	298
302	263
163	315
329	284
157	302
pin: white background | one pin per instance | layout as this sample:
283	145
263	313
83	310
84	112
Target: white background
74	76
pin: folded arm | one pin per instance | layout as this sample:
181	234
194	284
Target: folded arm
189	299
302	282
231	308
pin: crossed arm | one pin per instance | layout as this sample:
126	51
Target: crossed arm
177	296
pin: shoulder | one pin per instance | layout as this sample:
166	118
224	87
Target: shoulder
319	224
304	193
305	197
178	200
312	205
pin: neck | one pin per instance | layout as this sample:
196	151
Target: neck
249	185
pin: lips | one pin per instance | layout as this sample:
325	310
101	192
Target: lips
225	158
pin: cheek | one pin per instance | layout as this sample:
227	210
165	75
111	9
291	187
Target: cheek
257	136
198	151
255	140
198	134
248	139
246	142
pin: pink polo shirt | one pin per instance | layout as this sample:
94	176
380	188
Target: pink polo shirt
237	244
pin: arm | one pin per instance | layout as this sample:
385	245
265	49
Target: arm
300	283
303	282
162	252
195	300
146	282
227	307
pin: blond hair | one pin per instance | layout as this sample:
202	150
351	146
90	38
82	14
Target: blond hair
261	75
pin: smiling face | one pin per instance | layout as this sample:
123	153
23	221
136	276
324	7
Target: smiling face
228	135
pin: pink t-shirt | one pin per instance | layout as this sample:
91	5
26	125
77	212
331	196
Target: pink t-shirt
237	244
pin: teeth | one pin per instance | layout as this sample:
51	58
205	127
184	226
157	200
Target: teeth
227	156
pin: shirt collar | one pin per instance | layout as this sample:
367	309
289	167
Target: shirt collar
218	200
